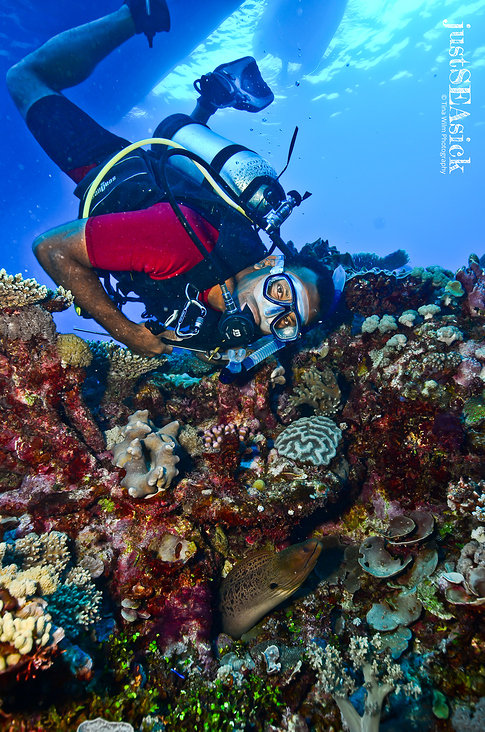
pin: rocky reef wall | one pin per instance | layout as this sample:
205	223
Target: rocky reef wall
130	487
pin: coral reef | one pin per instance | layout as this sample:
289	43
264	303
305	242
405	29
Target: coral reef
114	372
366	438
35	612
465	721
16	292
472	280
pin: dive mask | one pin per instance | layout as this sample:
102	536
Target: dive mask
282	303
281	307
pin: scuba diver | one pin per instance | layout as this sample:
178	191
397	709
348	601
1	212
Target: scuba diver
177	226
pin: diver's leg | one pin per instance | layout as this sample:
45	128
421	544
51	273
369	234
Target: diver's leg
70	57
67	59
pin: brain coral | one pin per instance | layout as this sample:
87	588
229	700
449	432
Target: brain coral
310	439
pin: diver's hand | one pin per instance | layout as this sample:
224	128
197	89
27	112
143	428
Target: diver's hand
143	342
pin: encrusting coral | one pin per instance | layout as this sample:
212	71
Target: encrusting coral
147	455
27	322
318	388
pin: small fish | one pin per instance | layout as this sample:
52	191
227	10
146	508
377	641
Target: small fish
261	581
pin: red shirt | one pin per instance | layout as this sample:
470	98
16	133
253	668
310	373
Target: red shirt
152	241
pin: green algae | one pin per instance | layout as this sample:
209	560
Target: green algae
427	592
209	707
107	504
474	410
440	707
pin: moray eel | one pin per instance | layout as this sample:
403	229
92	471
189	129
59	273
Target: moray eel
261	581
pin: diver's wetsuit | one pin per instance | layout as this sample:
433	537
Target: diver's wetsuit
151	243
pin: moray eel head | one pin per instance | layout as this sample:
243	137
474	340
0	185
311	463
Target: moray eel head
261	581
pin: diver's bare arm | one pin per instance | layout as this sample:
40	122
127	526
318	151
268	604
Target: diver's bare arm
63	254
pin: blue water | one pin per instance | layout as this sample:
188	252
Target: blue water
368	103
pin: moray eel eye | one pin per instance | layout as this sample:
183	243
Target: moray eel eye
273	586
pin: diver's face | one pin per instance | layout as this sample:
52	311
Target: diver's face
249	291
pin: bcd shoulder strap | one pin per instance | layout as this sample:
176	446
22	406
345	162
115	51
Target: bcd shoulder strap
130	185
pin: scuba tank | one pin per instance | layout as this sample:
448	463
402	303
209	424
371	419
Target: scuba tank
251	178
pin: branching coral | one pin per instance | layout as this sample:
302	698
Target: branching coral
33	564
27	636
17	292
147	455
381	677
23	633
75	603
121	369
38	591
127	365
36	565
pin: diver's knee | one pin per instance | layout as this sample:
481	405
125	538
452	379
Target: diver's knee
41	248
25	86
19	81
14	76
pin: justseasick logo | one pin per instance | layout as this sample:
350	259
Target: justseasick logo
456	104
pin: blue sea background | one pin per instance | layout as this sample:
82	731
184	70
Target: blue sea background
367	100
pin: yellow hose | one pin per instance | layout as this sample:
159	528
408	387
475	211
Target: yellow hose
154	141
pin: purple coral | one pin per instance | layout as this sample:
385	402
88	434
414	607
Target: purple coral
473	280
213	436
